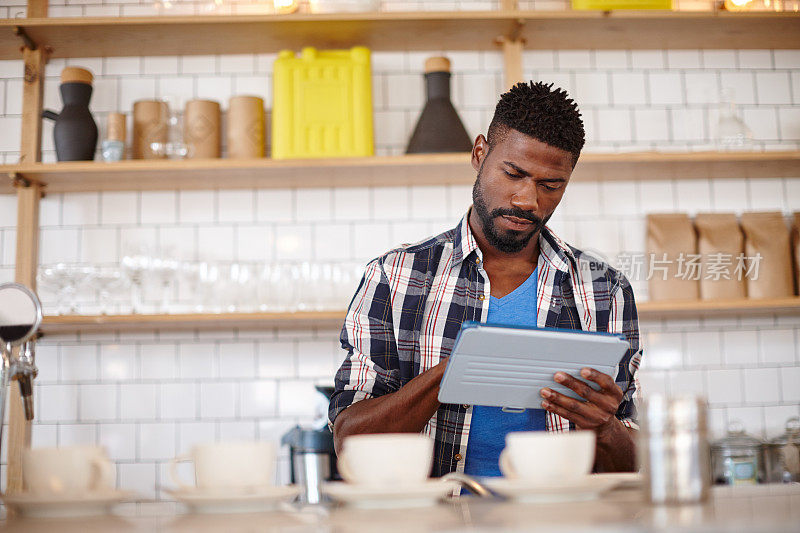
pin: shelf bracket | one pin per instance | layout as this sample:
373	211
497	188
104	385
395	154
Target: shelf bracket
19	31
19	181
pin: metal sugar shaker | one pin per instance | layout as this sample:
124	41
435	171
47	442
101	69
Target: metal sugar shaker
674	451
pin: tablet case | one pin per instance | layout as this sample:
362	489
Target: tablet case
507	366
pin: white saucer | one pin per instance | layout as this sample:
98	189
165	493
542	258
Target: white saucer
627	480
422	494
227	501
534	491
66	505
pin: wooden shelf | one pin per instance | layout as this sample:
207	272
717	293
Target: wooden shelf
66	324
240	34
98	323
718	308
420	169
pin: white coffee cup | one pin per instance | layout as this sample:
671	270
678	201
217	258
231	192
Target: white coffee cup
228	465
548	457
386	459
71	469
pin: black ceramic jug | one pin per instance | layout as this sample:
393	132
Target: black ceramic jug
75	132
438	129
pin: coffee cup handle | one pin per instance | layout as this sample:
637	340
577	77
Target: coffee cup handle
173	470
505	465
103	473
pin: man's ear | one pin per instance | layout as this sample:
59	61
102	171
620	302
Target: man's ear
479	151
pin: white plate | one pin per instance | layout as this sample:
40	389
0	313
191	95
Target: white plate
531	491
66	505
627	480
227	501
418	495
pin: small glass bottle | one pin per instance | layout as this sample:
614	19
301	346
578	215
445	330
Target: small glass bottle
113	148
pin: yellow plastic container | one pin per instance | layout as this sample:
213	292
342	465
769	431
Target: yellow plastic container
322	104
610	5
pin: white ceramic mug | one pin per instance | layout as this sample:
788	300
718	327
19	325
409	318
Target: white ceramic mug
548	457
228	465
386	459
71	469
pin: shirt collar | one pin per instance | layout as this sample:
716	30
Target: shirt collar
551	247
465	242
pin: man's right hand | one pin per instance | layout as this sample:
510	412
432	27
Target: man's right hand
407	410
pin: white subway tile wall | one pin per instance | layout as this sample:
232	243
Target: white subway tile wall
148	396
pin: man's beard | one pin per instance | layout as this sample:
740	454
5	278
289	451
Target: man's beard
509	241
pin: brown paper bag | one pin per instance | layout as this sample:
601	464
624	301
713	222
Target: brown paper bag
720	244
674	266
767	235
796	249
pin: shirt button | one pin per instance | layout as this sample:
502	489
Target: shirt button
477	260
457	457
481	297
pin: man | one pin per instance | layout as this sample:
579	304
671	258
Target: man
501	264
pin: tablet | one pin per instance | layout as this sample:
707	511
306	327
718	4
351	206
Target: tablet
507	366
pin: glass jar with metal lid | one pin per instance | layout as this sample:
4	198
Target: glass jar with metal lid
737	459
783	455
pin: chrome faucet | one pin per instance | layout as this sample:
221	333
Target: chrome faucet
20	317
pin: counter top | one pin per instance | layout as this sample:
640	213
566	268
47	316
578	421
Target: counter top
767	508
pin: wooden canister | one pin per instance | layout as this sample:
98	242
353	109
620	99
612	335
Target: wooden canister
116	127
245	127
201	128
149	126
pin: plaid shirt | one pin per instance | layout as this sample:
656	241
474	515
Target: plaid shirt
412	301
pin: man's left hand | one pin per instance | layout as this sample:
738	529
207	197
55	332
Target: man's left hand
597	412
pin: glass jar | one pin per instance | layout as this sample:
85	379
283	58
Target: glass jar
783	455
737	459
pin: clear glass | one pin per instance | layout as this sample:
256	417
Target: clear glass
66	281
210	278
732	132
112	151
109	282
164	272
175	147
135	266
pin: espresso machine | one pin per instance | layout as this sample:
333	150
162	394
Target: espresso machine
311	453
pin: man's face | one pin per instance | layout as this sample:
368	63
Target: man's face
520	183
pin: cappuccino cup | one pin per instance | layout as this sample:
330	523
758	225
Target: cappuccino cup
548	457
244	465
386	459
67	470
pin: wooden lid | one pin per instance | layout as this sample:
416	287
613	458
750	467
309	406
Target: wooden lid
437	64
76	74
116	127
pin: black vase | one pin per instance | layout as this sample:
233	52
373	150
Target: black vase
75	132
438	129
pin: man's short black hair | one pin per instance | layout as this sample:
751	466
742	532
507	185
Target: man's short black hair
539	111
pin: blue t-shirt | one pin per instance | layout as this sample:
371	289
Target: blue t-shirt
490	425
